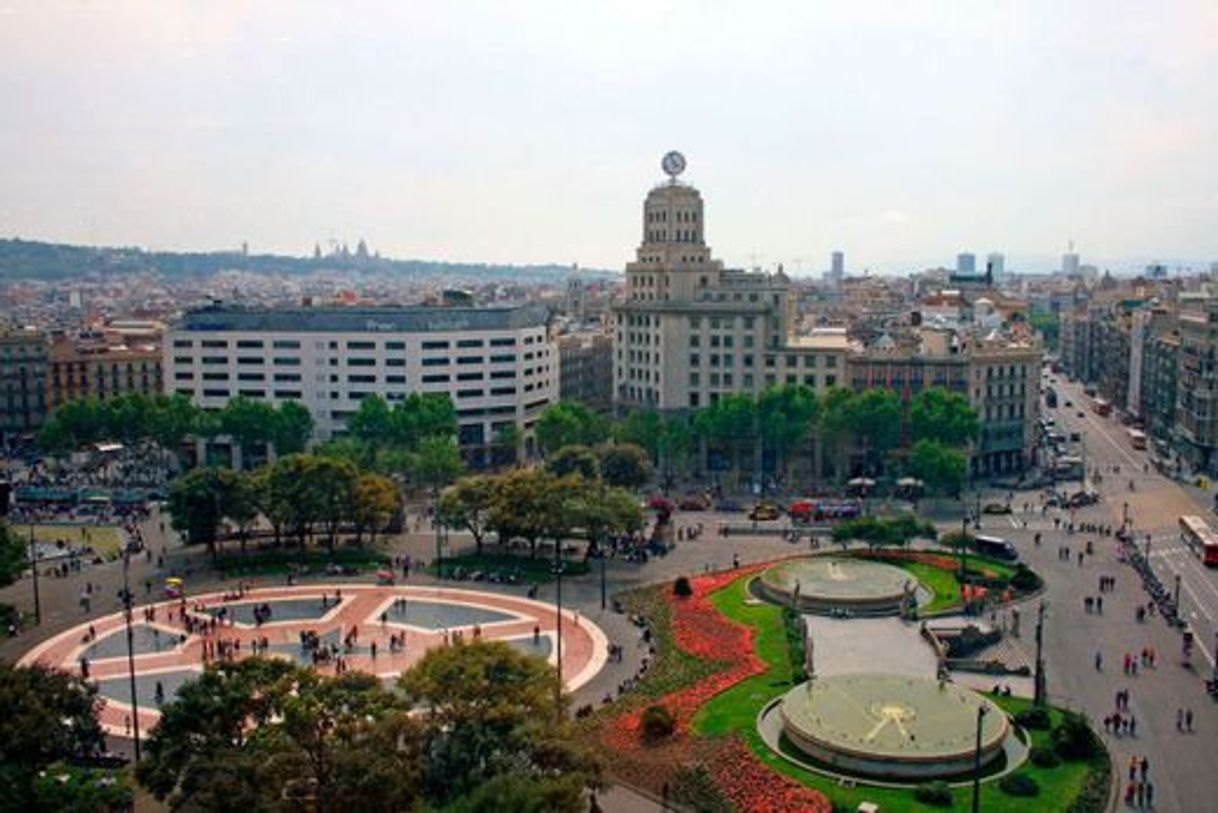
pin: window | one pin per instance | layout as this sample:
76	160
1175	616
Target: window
215	376
287	376
361	345
831	361
286	344
695	340
695	379
503	374
183	343
286	361
469	376
361	379
503	390
248	360
727	379
395	345
182	359
288	394
215	344
694	359
251	376
435	378
830	380
435	345
435	361
769	361
506	341
215	393
748	380
470	393
214	360
395	362
469	343
361	362
727	341
395	379
469	359
180	376
253	393
249	344
714	379
694	399
714	341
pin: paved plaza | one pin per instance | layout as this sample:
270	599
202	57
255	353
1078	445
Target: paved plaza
355	621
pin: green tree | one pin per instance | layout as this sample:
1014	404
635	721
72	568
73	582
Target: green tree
248	423
49	716
372	423
942	416
624	464
239	500
644	428
375	501
420	416
874	417
466	504
292	428
942	468
730	425
835	426
13	555
518	505
568	423
492	715
786	414
507	442
438	461
331	484
574	459
676	443
195	506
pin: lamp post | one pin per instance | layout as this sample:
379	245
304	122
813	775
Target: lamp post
135	706
1039	692
558	603
34	574
435	519
981	712
1176	596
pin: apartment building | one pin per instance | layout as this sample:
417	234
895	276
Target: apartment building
585	363
89	364
498	364
23	382
690	331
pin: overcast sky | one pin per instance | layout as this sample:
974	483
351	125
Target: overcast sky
525	132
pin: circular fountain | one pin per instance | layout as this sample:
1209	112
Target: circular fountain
830	585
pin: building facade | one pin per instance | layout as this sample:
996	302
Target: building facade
87	365
23	382
585	369
690	331
497	364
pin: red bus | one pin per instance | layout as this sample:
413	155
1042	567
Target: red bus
1102	407
1197	534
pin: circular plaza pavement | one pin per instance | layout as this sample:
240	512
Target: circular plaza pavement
166	654
825	584
891	726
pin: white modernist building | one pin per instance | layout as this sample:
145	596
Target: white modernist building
498	364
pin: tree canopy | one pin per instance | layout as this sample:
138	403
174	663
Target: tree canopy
946	417
568	423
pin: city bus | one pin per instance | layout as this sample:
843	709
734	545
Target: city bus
1102	407
1137	438
1197	534
995	546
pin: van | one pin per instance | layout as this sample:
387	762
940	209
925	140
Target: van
995	546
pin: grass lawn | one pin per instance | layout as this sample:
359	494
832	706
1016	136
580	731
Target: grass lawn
735	712
527	569
105	539
944	583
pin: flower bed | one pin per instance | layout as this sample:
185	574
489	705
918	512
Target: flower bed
700	630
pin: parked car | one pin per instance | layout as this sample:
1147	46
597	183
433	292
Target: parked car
996	508
764	512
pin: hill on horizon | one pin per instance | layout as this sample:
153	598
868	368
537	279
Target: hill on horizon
36	260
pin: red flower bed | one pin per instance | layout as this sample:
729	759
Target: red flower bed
751	785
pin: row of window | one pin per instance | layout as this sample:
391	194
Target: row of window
354	344
353	396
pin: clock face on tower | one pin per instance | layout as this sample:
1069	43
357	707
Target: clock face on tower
673	163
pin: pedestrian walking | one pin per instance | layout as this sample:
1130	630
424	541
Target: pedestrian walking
1188	720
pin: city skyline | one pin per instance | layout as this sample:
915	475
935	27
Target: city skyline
902	137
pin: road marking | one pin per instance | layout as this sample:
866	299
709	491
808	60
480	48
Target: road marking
1197	601
1011	520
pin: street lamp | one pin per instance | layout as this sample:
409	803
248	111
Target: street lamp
981	712
1039	688
34	573
435	510
135	706
558	603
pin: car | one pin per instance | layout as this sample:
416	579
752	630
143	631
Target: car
694	502
764	512
996	508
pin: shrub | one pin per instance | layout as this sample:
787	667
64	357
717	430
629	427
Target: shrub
1034	718
1043	757
936	794
696	789
1025	580
658	723
682	588
1074	739
1019	784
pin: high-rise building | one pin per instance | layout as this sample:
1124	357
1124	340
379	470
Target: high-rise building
23	382
837	268
966	264
1070	263
996	265
691	330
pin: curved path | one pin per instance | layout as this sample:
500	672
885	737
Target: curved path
168	655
